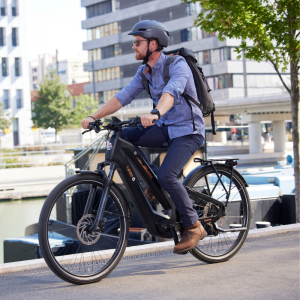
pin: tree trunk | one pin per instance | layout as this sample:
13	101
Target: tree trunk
296	130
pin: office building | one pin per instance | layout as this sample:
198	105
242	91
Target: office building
70	70
14	79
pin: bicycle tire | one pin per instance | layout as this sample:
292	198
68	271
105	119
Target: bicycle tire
75	255
217	246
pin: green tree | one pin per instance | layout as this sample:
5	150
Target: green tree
53	105
269	30
5	118
85	105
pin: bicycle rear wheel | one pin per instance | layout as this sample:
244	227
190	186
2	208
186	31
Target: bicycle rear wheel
220	246
70	250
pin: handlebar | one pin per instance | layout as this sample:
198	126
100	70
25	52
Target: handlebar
115	125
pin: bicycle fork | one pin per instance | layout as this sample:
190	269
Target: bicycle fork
107	185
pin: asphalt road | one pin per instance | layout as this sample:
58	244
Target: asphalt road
265	268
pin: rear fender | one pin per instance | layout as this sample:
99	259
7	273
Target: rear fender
197	169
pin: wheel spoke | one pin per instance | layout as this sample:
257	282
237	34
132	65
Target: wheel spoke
72	251
219	246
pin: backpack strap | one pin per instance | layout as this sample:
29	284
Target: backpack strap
166	77
188	98
145	82
166	73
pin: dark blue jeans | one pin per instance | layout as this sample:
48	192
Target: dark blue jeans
180	151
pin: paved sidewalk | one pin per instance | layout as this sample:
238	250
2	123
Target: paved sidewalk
266	267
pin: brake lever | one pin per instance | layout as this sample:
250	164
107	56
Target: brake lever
86	131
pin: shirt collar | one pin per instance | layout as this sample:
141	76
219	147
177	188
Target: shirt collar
158	63
160	60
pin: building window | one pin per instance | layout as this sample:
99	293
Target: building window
103	97
203	57
208	35
193	8
6	99
34	78
1	36
14	8
215	56
122	4
220	82
4	66
19	99
102	31
190	34
99	9
2	7
14	36
17	66
107	52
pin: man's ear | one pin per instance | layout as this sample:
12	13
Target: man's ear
154	45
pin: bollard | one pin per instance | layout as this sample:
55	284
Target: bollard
290	160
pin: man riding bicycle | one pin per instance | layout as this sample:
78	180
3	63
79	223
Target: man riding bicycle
175	122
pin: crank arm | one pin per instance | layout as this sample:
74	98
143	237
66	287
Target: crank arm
233	229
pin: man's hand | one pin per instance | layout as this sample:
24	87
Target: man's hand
85	122
147	120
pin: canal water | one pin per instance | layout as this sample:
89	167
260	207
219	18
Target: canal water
15	216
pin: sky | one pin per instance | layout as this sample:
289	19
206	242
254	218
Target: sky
55	24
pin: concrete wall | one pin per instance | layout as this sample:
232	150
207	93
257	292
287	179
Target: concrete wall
31	174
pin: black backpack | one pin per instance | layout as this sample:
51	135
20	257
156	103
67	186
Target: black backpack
207	105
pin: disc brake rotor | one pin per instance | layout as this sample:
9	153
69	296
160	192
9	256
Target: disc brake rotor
84	235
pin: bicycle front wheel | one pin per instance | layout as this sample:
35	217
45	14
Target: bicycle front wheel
220	246
72	252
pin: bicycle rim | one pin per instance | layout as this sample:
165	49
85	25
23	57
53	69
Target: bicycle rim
72	252
219	246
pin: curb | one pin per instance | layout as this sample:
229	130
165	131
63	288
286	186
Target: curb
140	250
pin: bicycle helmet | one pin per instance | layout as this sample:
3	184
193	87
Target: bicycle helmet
152	30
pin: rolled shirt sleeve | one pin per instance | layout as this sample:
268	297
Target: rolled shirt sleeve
132	90
178	78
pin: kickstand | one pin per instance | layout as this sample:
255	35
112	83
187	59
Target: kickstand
174	233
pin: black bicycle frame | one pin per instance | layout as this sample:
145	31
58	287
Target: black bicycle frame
132	168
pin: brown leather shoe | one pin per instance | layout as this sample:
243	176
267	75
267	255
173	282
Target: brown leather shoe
190	237
149	195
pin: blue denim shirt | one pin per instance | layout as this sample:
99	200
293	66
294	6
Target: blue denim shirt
179	117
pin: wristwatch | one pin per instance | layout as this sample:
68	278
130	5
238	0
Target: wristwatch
155	112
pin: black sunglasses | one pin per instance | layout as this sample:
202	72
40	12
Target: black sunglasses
137	42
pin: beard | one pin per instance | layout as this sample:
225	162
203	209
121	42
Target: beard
139	56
